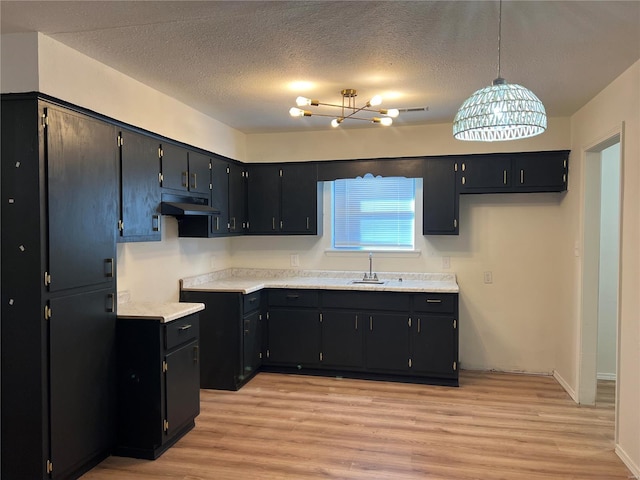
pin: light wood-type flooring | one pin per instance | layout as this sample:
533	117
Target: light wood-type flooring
494	426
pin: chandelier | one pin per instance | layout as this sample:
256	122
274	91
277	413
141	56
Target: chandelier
501	111
348	109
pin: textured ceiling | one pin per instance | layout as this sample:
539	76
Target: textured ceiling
236	60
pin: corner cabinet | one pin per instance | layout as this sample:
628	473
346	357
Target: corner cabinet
59	227
230	337
158	384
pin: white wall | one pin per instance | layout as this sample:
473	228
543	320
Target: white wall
618	104
609	259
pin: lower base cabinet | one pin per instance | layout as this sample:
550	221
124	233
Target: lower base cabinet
158	380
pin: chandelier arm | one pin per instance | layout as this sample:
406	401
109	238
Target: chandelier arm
499	35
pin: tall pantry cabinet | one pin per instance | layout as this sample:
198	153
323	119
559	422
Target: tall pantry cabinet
59	225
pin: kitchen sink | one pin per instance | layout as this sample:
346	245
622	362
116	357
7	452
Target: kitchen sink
370	282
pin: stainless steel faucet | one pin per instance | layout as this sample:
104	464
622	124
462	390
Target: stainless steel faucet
371	276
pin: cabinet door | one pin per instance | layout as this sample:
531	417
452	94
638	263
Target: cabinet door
82	378
342	339
83	200
140	194
263	199
199	173
541	172
237	198
182	387
294	337
175	167
220	196
387	341
252	343
485	174
299	198
440	199
434	343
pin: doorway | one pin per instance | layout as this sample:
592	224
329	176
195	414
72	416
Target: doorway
601	270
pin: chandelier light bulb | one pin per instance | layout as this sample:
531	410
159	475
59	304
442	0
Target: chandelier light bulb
296	112
303	101
386	121
377	100
336	122
392	112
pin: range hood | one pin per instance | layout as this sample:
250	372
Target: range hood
180	206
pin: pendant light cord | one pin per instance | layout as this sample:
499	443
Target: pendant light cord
499	34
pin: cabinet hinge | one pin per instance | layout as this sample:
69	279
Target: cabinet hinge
455	324
409	322
267	315
49	467
165	425
47	312
245	174
455	366
464	180
455	167
268	353
160	152
45	120
120	140
464	167
260	316
165	366
47	279
228	170
281	225
409	363
280	173
260	355
564	178
160	178
455	223
564	164
210	166
320	318
121	225
320	356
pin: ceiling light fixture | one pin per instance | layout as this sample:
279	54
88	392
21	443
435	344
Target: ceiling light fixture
348	109
501	111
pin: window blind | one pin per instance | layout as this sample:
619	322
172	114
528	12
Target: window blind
374	213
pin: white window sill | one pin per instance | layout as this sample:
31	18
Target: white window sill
376	253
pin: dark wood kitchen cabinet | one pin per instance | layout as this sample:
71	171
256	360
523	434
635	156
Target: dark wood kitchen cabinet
440	198
541	172
158	378
342	338
59	226
184	170
283	199
230	337
237	198
293	328
484	174
140	192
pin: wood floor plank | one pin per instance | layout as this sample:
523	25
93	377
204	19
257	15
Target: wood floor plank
494	427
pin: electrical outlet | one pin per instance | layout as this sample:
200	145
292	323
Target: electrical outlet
488	277
295	260
446	263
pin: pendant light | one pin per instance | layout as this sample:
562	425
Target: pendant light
501	111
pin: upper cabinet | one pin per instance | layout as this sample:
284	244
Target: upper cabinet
283	199
184	170
513	172
440	199
140	187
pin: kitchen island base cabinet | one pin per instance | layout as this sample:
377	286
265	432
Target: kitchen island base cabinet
158	384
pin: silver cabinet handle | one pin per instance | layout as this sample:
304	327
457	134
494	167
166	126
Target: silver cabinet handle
273	223
155	223
233	224
418	325
434	300
356	323
307	223
504	177
521	176
194	176
185	327
217	224
371	323
111	303
108	267
184	179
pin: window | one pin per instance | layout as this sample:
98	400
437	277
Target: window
374	213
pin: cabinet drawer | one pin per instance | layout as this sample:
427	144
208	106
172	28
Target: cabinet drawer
251	302
293	298
434	302
180	330
383	301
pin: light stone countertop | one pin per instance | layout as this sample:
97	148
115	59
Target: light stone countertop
163	312
250	280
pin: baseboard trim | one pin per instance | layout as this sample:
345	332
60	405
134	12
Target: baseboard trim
635	470
606	376
564	384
